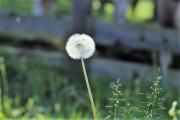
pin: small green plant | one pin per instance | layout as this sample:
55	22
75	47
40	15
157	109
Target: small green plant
126	114
147	109
154	101
116	93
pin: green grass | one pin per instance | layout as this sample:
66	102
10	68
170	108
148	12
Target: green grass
37	91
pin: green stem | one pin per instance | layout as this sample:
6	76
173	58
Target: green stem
3	85
3	74
115	108
153	100
89	90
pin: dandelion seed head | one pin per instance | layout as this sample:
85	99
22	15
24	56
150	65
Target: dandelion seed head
80	46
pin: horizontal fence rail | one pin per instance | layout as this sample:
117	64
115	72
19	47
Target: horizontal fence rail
108	68
105	34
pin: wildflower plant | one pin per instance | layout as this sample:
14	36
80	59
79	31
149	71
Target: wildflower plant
147	108
82	46
116	93
127	111
154	101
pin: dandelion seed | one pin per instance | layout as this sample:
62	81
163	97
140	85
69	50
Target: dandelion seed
80	46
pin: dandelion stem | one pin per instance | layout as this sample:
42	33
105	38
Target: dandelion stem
89	90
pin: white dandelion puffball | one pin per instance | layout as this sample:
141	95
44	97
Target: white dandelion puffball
80	46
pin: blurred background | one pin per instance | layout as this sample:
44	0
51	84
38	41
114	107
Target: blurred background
133	39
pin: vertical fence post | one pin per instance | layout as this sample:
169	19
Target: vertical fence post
81	22
82	17
120	11
177	17
37	9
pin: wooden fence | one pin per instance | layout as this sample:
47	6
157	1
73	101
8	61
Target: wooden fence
165	41
105	34
100	67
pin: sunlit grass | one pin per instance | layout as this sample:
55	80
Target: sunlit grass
71	101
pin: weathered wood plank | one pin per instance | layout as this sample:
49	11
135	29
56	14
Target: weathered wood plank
27	26
105	33
106	68
137	37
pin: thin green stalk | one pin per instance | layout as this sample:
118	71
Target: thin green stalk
115	108
89	90
3	85
153	99
2	95
3	74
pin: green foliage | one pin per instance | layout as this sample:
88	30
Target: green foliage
3	85
20	6
116	93
154	101
143	11
25	6
39	92
148	109
36	91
